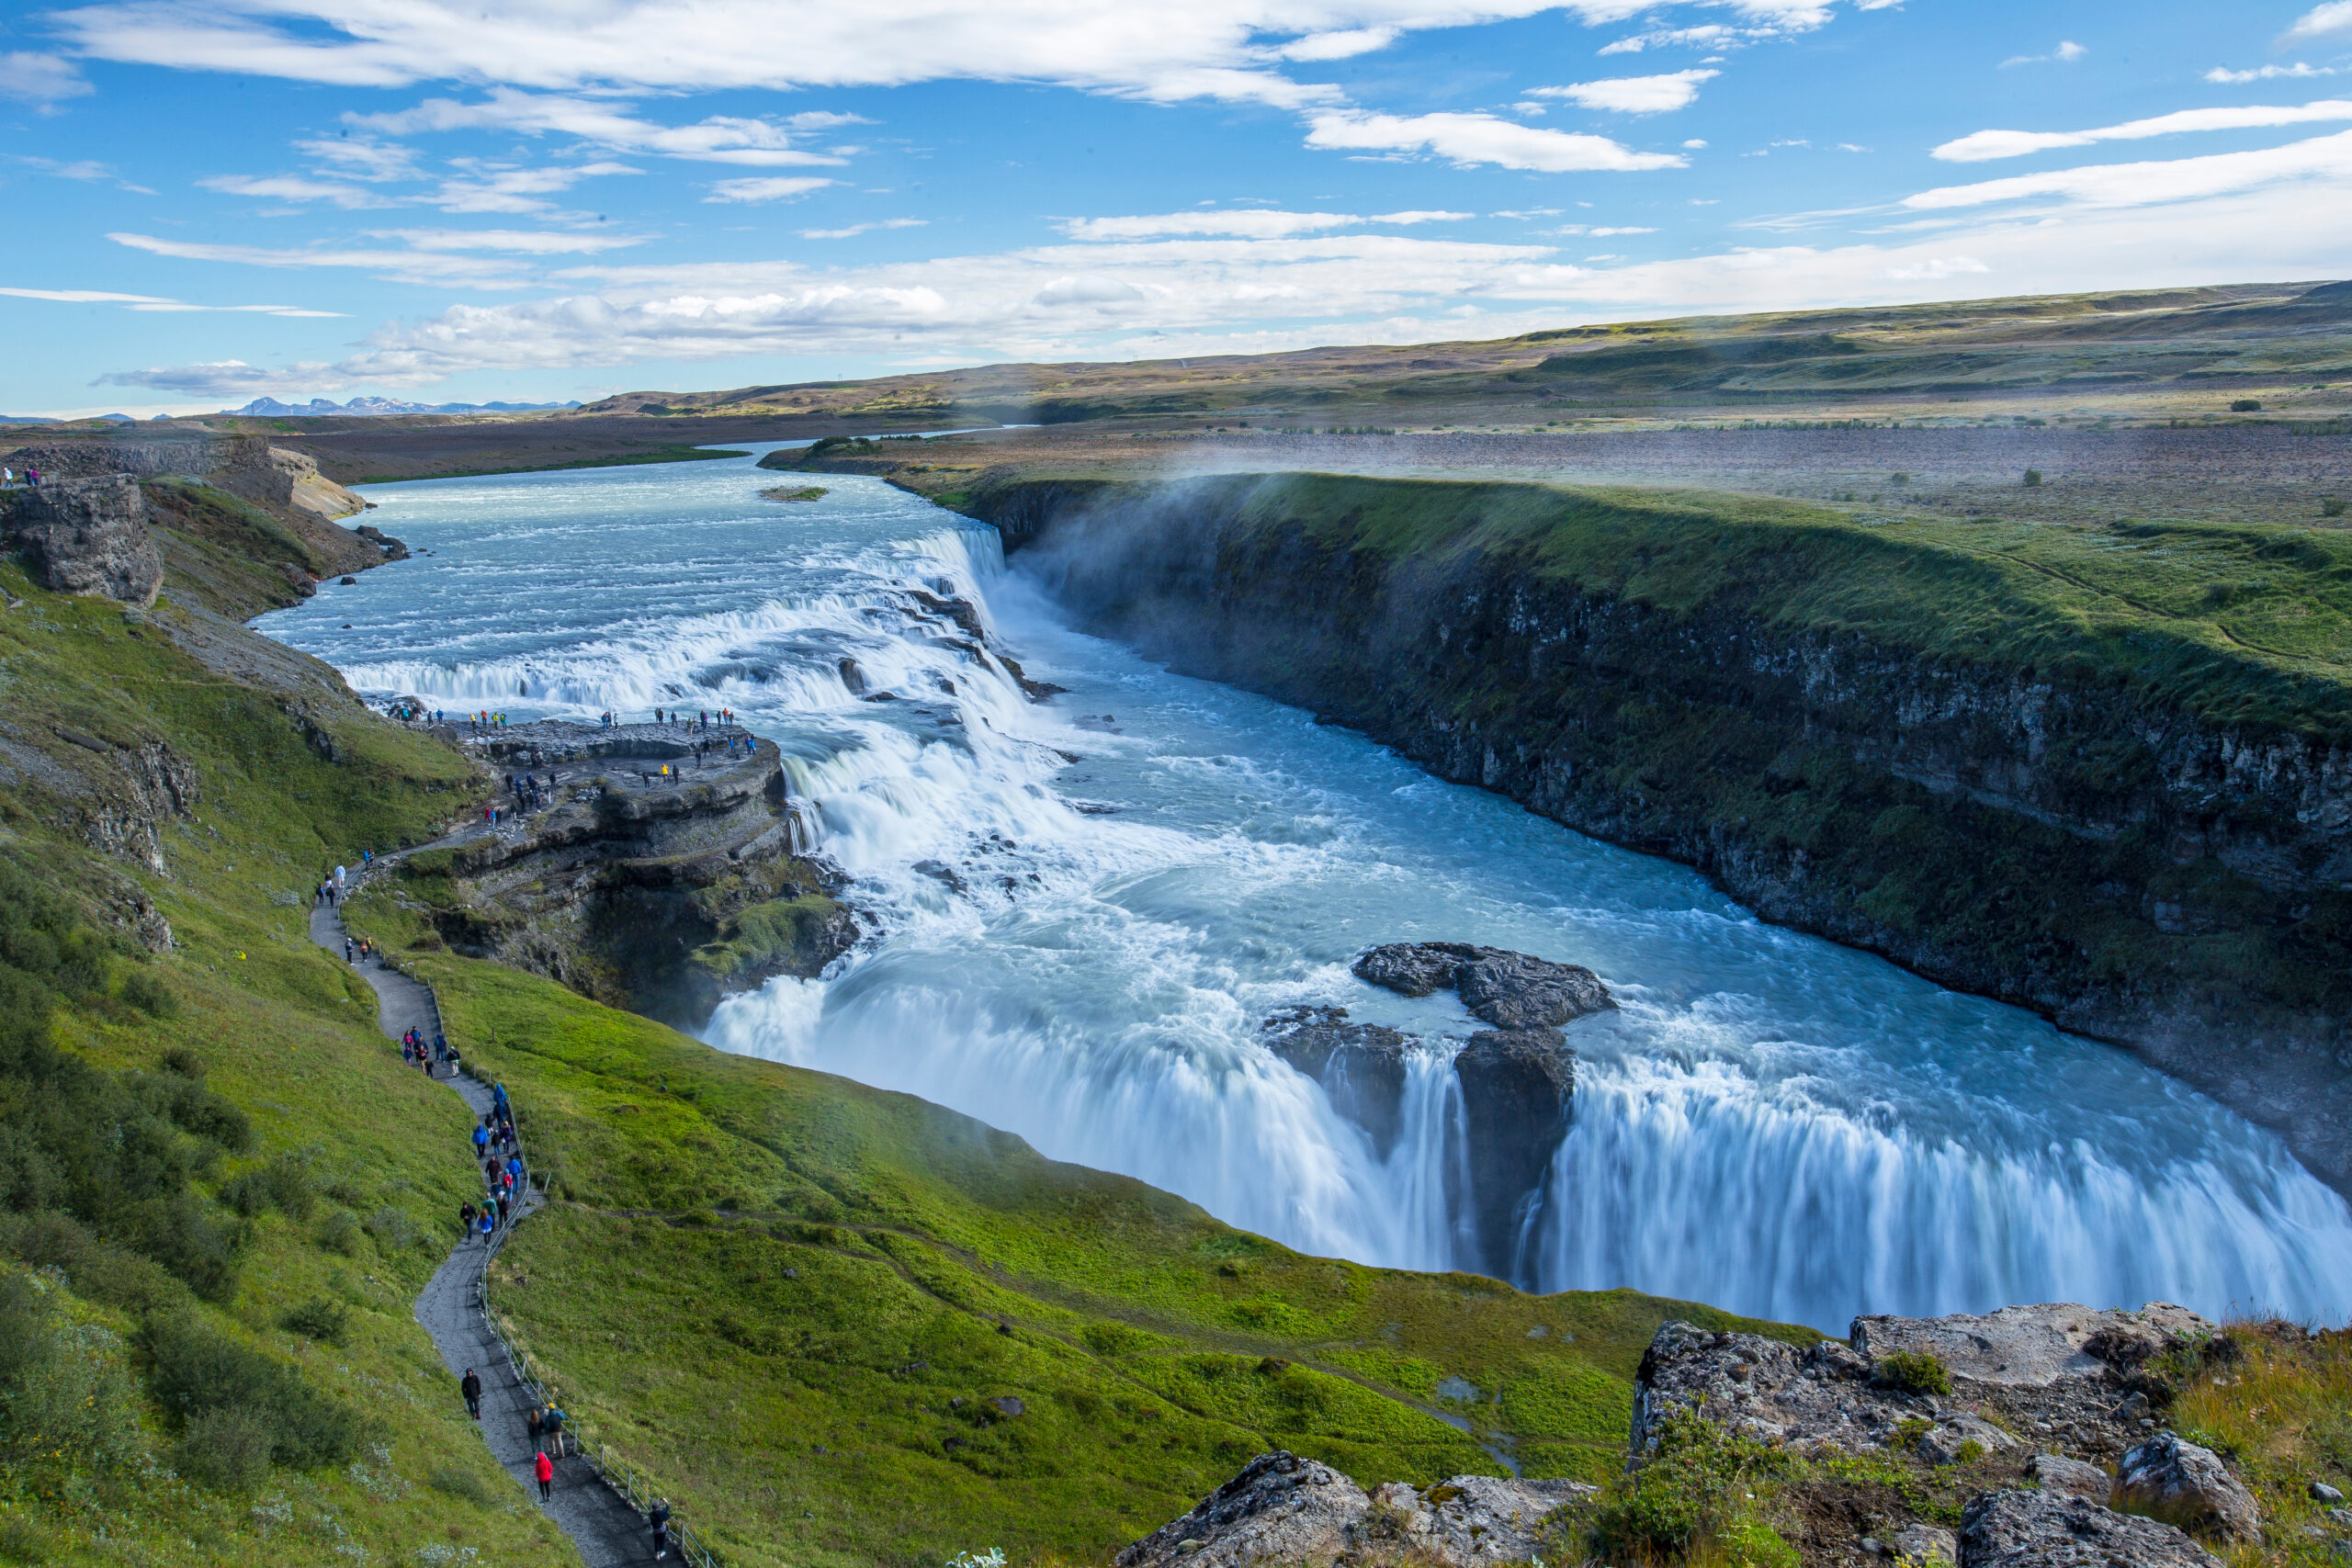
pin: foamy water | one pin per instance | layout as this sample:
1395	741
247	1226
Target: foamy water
1771	1123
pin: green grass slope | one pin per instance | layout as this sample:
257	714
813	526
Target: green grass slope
789	1299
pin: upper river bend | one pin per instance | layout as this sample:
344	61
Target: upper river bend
1771	1123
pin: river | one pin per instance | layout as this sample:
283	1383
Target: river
1086	906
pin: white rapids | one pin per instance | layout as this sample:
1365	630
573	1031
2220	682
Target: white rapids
1086	906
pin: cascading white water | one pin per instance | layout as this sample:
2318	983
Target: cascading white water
1080	951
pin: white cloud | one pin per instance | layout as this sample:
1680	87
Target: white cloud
2066	53
515	241
358	158
2321	21
158	302
1468	139
224	379
1935	269
401	267
1253	224
1984	145
2227	77
294	187
2174	180
39	78
1633	94
721	139
1344	45
854	230
770	187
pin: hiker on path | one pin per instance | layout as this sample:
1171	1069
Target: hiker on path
481	1137
470	1386
660	1519
465	1217
546	1469
346	948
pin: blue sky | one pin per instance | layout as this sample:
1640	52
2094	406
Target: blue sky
211	200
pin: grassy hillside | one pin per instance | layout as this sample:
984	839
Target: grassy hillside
788	1298
794	1298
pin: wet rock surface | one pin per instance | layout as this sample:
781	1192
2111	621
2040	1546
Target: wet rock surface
1517	1088
1510	990
2049	1529
1283	1509
89	535
1360	1066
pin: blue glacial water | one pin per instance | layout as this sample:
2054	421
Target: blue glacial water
1771	1123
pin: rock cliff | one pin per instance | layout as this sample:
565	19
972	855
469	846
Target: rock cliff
634	870
89	535
2063	825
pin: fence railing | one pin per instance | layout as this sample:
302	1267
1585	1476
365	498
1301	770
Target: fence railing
573	1440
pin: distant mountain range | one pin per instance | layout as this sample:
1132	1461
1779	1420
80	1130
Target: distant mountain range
364	408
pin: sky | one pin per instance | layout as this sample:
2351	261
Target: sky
464	201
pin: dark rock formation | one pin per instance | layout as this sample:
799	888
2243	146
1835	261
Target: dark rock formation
89	535
1360	1066
2031	1366
1517	1086
1510	990
661	896
1281	1509
2188	1484
2048	1529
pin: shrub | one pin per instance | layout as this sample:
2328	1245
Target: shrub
393	1229
227	1450
1911	1372
1751	1543
2032	478
142	990
319	1319
1898	479
2246	405
339	1232
21	1540
198	1371
63	1403
288	1179
463	1484
2331	507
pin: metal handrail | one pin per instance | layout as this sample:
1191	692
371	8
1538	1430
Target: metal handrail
624	1478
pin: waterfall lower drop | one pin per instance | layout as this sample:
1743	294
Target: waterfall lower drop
1085	908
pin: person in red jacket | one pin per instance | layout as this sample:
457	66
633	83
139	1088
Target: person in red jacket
545	1467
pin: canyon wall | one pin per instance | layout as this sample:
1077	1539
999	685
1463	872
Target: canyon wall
1864	735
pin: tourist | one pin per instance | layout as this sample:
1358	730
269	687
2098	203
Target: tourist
531	1424
465	1212
470	1386
659	1517
546	1469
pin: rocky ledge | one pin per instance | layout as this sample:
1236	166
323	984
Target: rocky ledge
649	866
88	535
1517	1080
2040	1412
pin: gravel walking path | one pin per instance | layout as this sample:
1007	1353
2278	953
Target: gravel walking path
608	1532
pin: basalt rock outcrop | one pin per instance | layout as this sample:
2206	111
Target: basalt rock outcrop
2038	825
2064	1373
2016	1529
1296	1512
647	866
1516	1081
89	535
246	466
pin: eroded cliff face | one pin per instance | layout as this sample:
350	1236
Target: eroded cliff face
2129	868
660	895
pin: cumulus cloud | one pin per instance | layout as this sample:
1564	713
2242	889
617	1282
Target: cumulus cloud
2331	20
766	188
1470	139
39	78
1633	94
1984	145
2173	180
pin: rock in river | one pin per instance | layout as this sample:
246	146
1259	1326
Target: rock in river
1360	1066
1510	990
1517	1087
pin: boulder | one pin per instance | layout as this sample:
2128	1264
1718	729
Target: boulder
1947	1442
1924	1543
1470	1519
1510	990
2050	1530
2034	1346
90	536
2188	1484
1281	1508
1517	1088
1293	1512
2072	1477
1360	1066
